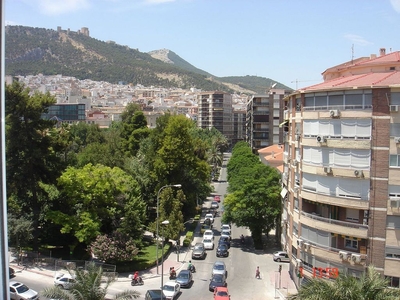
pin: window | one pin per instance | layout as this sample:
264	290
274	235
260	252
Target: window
394	160
393	222
352	215
392	252
351	243
395	129
394	191
395	98
393	281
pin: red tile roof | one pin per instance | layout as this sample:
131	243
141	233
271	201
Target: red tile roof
362	80
272	156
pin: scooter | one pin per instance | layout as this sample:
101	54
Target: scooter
172	275
192	269
137	281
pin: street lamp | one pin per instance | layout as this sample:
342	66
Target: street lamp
166	222
158	205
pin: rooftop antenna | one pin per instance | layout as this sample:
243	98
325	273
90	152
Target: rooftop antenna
352	53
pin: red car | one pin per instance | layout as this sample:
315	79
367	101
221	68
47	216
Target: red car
221	293
217	198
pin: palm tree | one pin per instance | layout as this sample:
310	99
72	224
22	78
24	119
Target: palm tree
371	286
89	285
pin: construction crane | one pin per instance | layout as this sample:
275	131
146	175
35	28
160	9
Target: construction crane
297	81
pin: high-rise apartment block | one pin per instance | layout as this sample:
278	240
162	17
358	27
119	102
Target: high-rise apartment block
341	177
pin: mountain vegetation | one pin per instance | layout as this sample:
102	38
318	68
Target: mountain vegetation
30	51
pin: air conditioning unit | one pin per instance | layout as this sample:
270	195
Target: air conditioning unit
356	258
397	139
334	113
343	255
307	246
394	108
328	170
394	203
321	139
358	173
300	243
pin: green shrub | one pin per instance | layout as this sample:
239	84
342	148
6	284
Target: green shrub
186	242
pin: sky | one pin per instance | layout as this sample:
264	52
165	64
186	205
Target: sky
288	41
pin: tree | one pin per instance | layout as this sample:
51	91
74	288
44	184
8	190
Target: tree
90	284
19	232
96	197
371	286
31	158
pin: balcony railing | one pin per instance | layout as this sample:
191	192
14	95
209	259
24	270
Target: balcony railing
332	221
340	107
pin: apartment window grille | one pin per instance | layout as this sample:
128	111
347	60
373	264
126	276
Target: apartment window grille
350	243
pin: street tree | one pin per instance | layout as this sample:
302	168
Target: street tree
256	204
370	286
91	283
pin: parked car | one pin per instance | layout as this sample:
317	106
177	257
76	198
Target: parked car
208	243
219	268
226	233
222	250
209	216
208	234
221	293
184	278
224	239
64	281
205	227
217	280
199	252
217	198
154	295
225	227
281	256
214	204
171	289
19	291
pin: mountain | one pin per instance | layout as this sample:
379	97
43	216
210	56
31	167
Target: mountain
30	51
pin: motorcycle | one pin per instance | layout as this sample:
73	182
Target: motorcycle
172	275
192	269
137	281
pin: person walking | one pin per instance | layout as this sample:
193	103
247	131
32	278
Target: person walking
258	273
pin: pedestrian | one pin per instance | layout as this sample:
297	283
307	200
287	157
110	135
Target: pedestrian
258	273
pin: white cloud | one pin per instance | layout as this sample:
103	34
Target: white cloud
396	5
358	40
58	7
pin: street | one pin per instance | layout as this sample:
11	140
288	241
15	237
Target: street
241	265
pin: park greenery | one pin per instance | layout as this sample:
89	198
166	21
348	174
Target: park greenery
253	200
78	188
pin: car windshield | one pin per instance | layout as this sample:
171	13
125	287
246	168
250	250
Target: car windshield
222	293
198	247
217	279
219	267
22	289
207	241
222	246
168	288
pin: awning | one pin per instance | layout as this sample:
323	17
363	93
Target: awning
284	192
283	123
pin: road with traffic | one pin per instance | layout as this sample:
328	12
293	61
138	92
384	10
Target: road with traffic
241	265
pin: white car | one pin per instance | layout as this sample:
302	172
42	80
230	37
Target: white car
226	233
219	268
19	291
209	216
225	227
171	289
208	244
208	234
64	281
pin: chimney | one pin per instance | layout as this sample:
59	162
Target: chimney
382	51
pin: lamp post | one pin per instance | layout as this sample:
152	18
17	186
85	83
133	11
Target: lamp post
158	205
166	222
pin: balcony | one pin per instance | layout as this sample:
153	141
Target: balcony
336	226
